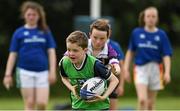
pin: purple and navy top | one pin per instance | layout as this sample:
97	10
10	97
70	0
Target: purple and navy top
108	55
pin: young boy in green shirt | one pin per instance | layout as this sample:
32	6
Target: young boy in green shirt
76	67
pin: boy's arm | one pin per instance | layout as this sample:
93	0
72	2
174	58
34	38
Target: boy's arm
113	81
120	56
114	62
114	66
116	69
104	73
120	89
67	83
65	79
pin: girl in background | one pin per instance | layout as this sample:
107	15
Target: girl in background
151	49
33	47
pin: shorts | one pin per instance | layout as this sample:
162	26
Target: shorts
31	79
150	74
114	95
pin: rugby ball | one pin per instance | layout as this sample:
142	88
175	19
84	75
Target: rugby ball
93	86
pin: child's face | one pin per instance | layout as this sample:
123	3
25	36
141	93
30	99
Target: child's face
150	17
98	38
31	16
75	52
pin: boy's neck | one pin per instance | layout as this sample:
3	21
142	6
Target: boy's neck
80	63
96	51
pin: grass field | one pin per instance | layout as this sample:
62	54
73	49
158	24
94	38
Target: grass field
168	103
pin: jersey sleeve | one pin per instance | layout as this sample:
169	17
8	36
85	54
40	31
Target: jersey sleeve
112	55
166	46
131	45
14	46
101	71
118	49
111	52
50	40
61	69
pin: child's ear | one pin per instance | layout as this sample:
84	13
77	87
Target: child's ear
110	32
85	50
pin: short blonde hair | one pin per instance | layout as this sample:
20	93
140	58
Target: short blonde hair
78	37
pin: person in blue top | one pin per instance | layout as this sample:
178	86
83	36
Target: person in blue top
151	49
33	47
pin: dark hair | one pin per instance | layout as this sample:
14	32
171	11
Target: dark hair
35	6
142	14
78	37
102	25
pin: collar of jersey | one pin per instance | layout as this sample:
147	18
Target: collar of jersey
82	65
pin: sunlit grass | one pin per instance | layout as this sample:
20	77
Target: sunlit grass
168	103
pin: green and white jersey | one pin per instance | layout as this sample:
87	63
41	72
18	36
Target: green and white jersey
91	67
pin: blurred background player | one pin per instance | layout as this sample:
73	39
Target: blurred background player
33	47
152	51
77	66
98	47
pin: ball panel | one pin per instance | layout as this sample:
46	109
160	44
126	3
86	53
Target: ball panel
93	86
